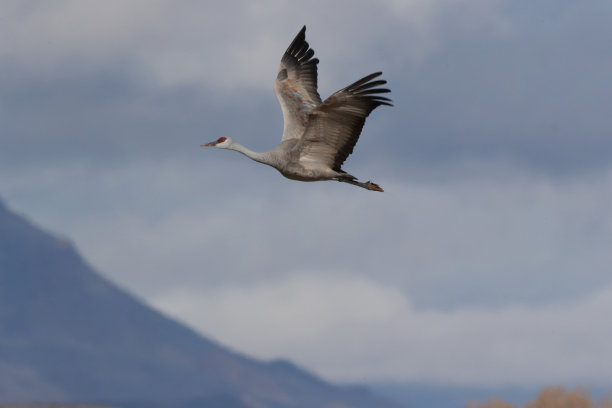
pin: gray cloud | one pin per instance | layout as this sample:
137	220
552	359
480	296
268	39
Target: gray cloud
219	219
477	80
350	328
495	161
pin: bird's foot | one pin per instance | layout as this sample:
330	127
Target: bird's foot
372	186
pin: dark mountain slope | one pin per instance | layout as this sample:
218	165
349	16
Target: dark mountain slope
67	334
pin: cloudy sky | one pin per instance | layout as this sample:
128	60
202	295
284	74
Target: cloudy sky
485	262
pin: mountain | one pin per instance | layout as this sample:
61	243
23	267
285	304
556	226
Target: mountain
69	335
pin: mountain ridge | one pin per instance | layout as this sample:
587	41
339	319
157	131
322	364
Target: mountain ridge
67	334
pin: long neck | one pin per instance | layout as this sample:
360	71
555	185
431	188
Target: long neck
259	157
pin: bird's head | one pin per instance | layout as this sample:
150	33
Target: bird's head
221	143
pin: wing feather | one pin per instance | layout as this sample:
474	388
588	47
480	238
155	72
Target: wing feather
334	127
296	85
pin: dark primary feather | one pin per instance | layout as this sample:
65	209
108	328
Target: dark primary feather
335	126
300	65
363	87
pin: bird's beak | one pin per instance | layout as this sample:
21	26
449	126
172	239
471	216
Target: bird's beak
209	144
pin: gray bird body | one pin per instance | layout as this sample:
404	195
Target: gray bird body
317	136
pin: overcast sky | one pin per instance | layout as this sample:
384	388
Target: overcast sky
487	259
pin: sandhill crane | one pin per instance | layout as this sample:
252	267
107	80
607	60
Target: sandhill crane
317	136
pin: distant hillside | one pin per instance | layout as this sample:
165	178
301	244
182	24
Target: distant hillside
67	334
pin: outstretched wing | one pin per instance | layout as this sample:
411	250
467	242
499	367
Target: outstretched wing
296	85
334	127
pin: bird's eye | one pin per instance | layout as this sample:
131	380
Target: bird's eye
221	139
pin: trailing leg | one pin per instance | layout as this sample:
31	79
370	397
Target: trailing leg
368	185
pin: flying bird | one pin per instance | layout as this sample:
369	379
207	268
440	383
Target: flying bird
318	135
